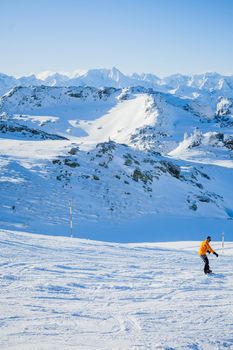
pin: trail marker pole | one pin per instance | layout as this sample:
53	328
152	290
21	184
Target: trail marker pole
222	242
71	220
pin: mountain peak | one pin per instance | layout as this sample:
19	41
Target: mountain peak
113	77
44	75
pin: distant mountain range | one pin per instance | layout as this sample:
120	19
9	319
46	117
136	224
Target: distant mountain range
114	78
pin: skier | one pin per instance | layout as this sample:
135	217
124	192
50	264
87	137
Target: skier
206	248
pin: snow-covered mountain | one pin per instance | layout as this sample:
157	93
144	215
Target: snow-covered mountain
99	78
138	151
7	82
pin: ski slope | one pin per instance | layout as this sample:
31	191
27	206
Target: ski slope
120	122
64	293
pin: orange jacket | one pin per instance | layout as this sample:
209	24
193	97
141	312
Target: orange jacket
205	247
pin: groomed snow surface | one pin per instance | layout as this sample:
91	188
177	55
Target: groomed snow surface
64	293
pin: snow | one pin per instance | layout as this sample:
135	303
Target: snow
44	75
120	122
145	160
31	150
206	82
64	293
108	200
203	148
41	120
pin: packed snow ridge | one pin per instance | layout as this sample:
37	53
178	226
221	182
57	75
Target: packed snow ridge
135	152
63	293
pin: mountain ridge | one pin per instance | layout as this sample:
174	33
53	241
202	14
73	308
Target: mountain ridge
115	78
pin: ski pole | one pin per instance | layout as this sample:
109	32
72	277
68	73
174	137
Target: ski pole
222	242
71	220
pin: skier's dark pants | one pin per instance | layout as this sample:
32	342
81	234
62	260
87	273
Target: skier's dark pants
206	262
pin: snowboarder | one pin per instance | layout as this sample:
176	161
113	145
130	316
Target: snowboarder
206	248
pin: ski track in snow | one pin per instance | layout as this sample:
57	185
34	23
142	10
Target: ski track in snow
64	293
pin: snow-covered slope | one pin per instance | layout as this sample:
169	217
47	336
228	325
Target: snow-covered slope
207	148
99	113
63	293
111	183
6	83
123	115
123	156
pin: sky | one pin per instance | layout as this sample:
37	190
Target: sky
152	36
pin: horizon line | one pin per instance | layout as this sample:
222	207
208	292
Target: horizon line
75	73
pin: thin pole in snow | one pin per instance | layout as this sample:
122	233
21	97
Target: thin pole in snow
71	220
222	242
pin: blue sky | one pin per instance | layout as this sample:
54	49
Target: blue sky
158	36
